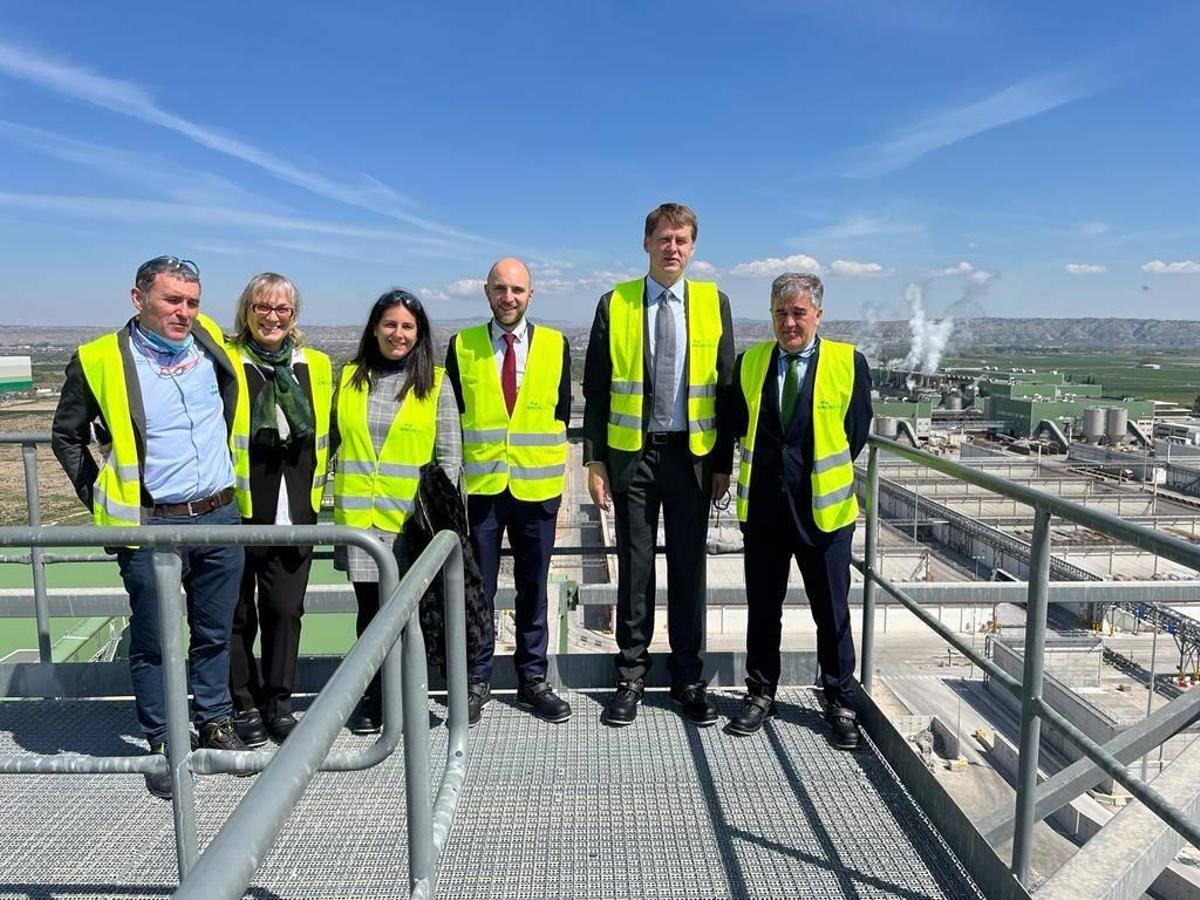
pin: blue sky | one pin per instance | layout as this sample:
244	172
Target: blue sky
1015	159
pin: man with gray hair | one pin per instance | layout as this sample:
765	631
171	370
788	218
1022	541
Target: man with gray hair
800	407
169	405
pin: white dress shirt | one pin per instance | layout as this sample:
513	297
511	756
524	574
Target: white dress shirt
520	332
781	367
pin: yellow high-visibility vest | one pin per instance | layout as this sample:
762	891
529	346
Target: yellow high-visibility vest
117	493
834	504
626	314
320	376
381	490
527	452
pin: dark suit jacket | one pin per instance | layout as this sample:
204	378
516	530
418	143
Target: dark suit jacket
562	408
293	464
783	458
597	380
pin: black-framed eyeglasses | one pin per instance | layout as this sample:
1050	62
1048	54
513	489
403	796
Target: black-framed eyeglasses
166	264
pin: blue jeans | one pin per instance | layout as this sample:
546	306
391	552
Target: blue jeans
211	580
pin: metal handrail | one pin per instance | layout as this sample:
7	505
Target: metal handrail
28	443
229	862
1029	689
182	762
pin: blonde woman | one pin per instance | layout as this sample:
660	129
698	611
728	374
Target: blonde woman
290	389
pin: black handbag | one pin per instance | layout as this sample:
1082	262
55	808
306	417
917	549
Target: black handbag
439	506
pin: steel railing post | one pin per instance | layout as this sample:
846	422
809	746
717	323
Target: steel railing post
390	678
416	754
168	567
867	673
1031	694
36	554
564	617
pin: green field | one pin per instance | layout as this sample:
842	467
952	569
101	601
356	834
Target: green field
1121	372
329	633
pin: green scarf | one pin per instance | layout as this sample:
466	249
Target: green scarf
281	391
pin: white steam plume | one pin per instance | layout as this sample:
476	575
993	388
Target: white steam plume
929	338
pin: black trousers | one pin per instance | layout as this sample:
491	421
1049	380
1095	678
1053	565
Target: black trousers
530	527
280	575
665	480
771	543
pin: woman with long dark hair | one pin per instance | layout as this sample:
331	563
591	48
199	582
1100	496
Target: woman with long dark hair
290	392
394	414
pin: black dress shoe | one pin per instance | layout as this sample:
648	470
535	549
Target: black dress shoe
622	708
478	694
540	697
756	709
845	732
249	727
694	704
159	783
367	717
280	726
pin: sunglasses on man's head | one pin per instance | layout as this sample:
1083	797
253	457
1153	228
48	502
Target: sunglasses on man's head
167	263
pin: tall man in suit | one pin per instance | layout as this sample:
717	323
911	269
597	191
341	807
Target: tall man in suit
800	407
660	348
513	386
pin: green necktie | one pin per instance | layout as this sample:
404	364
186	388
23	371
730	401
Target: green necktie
791	388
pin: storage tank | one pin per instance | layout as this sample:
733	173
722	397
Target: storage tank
1115	424
1093	424
954	401
885	426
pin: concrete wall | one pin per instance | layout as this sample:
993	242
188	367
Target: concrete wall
1092	721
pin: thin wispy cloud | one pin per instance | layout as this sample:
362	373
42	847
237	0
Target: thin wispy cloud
178	183
125	98
1022	100
1084	269
857	225
126	209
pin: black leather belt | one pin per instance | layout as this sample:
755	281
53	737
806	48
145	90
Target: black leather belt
666	437
194	507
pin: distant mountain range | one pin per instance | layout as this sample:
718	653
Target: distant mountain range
1032	334
994	333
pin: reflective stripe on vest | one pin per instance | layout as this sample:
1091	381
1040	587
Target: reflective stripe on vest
380	491
320	378
117	491
626	314
527	453
834	504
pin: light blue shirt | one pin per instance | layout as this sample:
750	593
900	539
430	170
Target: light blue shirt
654	290
781	367
187	442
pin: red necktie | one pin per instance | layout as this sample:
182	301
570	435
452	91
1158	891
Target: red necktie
508	372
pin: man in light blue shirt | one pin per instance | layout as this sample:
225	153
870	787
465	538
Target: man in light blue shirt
182	392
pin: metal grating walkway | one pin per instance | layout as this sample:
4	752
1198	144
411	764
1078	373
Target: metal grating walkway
656	810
